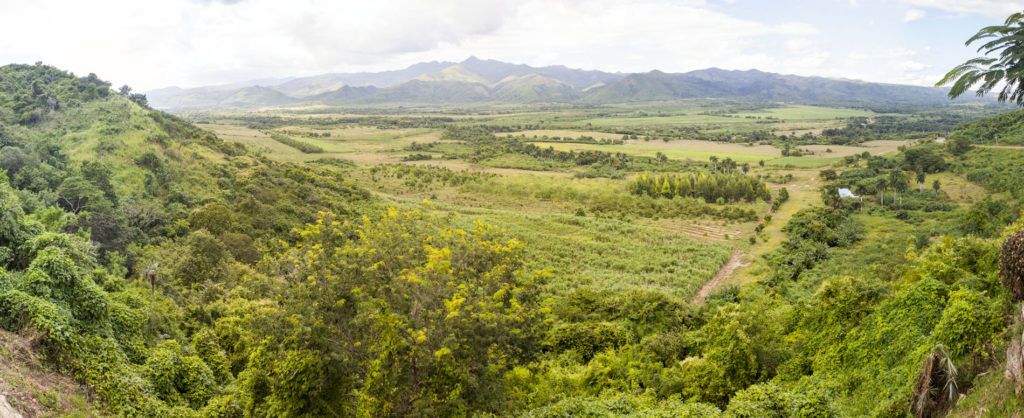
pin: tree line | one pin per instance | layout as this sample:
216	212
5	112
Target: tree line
712	187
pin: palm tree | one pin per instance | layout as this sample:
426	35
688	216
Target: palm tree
898	181
920	181
880	185
1008	68
860	189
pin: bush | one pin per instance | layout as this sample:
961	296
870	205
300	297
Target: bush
588	339
969	322
770	400
177	378
213	217
204	259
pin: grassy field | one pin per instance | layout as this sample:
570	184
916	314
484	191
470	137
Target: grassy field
566	133
603	254
784	118
874	147
803	191
538	200
680	150
703	150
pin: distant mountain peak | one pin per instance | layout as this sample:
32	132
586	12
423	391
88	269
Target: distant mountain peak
485	80
455	72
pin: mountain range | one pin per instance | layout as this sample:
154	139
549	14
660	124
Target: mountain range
489	81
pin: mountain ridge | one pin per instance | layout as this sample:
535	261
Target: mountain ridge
477	80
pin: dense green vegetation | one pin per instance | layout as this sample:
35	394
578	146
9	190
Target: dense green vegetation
1005	128
178	273
716	187
299	145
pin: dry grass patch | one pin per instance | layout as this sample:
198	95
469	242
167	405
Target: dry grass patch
33	389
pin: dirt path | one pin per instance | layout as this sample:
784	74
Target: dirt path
719	278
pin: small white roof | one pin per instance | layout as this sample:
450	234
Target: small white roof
846	193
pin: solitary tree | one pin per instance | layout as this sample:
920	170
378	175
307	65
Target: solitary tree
861	189
1006	42
920	181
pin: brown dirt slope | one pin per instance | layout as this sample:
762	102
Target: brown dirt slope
31	386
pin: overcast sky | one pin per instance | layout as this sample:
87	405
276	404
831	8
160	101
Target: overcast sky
152	44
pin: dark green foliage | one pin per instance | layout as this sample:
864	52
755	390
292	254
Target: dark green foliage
730	187
28	93
178	378
924	159
15	230
987	217
997	170
1011	265
433	310
299	145
587	339
969	322
488	149
199	279
809	235
204	259
1004	128
417	157
780	198
213	217
623	405
770	400
987	72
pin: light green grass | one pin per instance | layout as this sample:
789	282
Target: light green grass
802	162
784	114
605	254
692	150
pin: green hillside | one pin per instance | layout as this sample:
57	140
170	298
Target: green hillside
412	264
533	88
1005	129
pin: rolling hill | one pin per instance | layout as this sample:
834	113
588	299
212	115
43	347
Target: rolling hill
489	81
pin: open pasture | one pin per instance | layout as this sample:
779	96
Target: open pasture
782	118
680	150
874	147
605	254
264	143
565	134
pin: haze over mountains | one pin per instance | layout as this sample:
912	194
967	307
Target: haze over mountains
489	81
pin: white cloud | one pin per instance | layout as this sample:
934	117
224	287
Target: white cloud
199	42
910	66
913	14
998	9
193	42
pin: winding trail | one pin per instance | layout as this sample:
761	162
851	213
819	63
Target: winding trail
735	262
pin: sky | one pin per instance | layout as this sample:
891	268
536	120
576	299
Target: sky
188	43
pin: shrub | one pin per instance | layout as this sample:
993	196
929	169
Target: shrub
177	378
969	322
588	339
205	259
